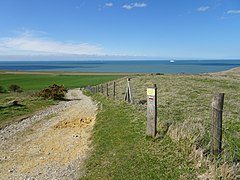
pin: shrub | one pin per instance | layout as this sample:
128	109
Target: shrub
159	73
2	89
54	91
15	88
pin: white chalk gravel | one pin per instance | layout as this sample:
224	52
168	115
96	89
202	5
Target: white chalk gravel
52	144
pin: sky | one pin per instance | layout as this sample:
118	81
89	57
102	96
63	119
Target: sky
119	29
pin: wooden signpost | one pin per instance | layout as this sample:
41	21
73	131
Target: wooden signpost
152	111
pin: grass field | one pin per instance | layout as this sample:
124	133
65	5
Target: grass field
122	151
31	83
40	81
184	116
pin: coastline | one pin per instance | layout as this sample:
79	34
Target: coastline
69	73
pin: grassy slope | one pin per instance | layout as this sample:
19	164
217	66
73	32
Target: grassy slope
184	114
185	100
123	152
28	82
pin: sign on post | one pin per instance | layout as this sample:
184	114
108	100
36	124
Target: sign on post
152	111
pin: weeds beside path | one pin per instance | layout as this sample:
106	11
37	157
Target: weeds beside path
123	152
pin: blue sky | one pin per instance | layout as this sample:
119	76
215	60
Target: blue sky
100	29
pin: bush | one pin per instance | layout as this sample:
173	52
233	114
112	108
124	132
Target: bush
2	89
55	92
15	88
159	73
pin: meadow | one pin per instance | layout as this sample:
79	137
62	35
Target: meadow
184	129
32	83
40	81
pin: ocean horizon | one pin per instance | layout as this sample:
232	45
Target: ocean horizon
127	66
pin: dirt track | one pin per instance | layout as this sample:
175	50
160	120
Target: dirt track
54	147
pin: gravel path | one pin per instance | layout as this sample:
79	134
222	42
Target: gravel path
52	144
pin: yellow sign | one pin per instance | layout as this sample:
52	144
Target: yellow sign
150	91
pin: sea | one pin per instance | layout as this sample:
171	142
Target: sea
133	66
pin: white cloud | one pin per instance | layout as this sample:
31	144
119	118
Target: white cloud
233	11
140	5
27	44
109	4
127	7
134	5
203	8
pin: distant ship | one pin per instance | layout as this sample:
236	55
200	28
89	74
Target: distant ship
172	61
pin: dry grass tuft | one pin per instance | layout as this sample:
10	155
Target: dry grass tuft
190	130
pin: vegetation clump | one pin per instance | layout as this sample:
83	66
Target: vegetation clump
2	89
56	92
159	73
15	88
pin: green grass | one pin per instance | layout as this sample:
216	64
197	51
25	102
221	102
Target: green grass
33	83
28	105
185	100
122	151
184	115
37	82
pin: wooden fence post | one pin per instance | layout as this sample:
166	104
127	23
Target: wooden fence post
217	109
128	94
101	88
88	88
107	89
95	89
152	111
98	89
114	89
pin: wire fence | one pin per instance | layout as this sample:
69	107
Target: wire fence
187	115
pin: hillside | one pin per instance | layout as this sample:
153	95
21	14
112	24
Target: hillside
184	116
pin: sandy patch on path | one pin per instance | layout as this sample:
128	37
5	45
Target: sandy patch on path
52	148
